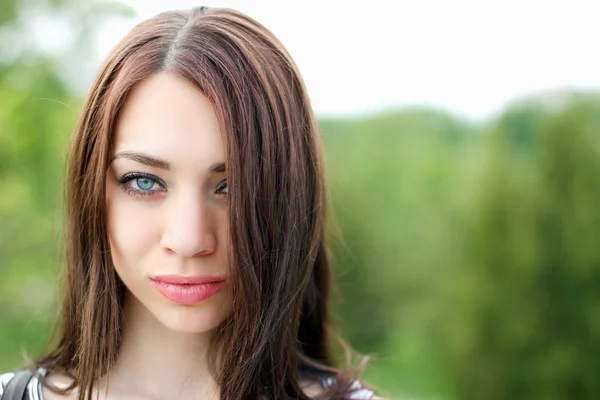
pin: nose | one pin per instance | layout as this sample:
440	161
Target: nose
189	229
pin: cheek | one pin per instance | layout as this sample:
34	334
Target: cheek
133	230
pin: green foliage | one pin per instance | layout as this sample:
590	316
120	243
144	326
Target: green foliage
524	319
37	112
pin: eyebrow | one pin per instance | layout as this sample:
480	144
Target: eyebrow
141	158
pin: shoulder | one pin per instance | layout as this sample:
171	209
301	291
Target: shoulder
32	383
4	378
358	391
37	385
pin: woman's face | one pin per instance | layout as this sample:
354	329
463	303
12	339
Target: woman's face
167	205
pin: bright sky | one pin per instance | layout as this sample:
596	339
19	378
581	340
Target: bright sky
468	56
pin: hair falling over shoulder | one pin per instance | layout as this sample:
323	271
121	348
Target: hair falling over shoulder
279	329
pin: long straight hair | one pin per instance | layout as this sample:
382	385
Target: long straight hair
278	331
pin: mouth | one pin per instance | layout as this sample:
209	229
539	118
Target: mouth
188	289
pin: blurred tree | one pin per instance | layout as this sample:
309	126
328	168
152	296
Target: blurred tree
38	105
524	320
522	125
393	181
568	341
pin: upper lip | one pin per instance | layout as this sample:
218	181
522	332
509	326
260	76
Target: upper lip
187	280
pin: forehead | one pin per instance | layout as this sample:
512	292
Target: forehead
167	117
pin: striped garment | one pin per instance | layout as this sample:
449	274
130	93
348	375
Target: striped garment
34	387
358	391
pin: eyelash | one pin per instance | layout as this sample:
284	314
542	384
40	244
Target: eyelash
124	180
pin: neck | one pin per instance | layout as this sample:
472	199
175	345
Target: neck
156	362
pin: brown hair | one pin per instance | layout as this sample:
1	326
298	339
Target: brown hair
278	330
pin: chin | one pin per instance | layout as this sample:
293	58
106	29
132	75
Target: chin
189	319
152	311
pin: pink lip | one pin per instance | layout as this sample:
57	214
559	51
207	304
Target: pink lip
188	289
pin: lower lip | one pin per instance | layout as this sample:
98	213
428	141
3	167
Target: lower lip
188	293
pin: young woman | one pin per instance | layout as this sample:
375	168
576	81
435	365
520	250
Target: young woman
196	264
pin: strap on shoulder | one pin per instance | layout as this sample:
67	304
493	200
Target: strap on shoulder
16	389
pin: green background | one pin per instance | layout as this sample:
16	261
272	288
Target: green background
467	265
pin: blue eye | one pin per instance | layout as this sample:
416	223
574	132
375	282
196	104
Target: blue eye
139	184
144	183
